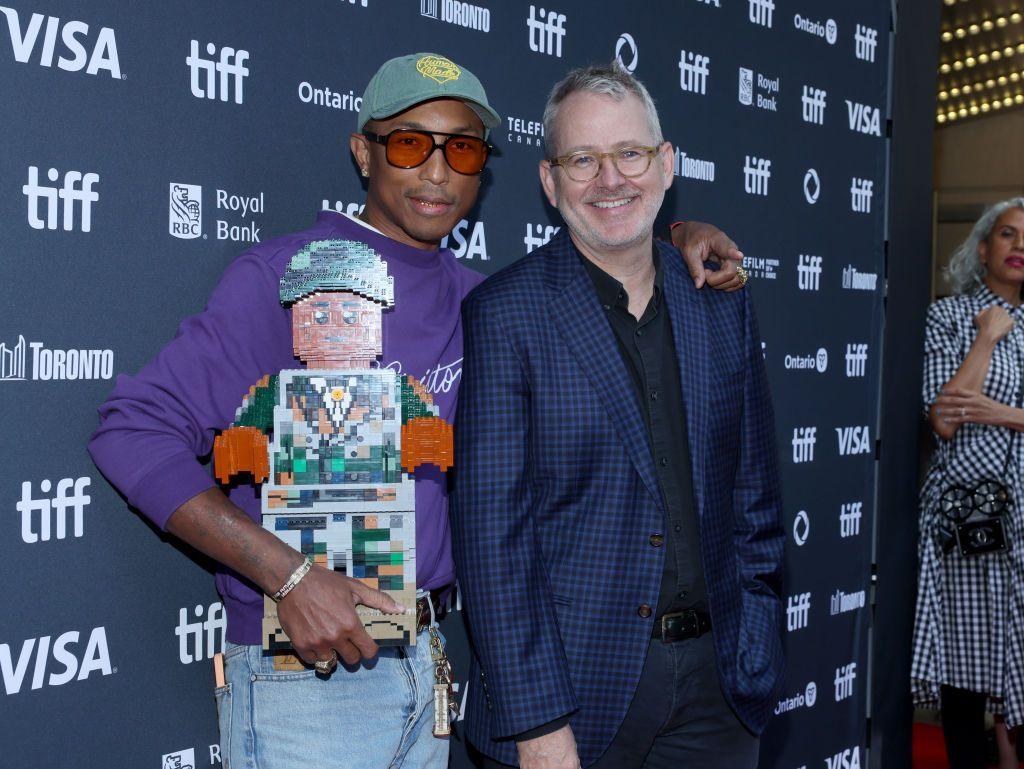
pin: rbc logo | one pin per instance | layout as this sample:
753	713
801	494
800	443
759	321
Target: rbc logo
185	214
182	759
59	508
76	186
231	65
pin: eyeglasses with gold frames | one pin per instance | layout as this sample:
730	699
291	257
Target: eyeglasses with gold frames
584	166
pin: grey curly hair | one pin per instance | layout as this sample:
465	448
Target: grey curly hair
965	271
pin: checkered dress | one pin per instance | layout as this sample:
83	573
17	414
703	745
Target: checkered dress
969	624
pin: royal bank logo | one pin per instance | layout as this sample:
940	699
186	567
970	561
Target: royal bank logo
76	51
801	528
845	676
808	272
762	268
846	759
850	514
853	440
812	186
537	235
185	211
54	661
626	52
201	635
804	439
180	759
756	173
53	364
523	131
694	69
760	12
687	167
827	30
220	77
798	610
458	13
856	360
546	31
864	119
467	241
70	194
854	280
861	194
817	362
802	699
841	603
865	40
758	90
813	103
49	517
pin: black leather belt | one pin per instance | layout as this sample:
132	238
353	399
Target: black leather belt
437	598
681	625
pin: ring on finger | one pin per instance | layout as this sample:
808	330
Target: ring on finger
963	411
326	666
743	275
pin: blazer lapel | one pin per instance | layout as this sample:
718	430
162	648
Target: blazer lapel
579	318
689	327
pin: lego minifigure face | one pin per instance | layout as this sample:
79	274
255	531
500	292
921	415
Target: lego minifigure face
336	330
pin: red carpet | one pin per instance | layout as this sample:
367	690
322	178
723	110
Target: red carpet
929	749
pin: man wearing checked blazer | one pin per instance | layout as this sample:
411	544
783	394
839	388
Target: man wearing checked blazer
616	510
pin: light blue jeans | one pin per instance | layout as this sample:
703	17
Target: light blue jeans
379	715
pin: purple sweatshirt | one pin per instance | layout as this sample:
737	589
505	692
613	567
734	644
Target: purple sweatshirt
154	425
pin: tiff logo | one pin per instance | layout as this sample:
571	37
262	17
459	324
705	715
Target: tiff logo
804	439
761	12
230	66
808	272
856	359
694	69
41	511
865	42
537	235
845	676
12	361
861	192
546	33
756	173
74	37
798	609
190	634
813	100
849	519
76	186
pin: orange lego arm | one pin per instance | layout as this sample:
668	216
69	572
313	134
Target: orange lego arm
427	440
240	450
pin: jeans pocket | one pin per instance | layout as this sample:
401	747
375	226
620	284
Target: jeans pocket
222	694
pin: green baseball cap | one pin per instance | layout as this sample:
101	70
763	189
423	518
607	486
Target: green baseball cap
409	80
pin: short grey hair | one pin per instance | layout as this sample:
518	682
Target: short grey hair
965	271
607	80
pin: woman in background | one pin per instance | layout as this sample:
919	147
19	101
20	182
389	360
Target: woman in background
969	628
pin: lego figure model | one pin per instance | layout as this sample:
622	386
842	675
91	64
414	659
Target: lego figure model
337	476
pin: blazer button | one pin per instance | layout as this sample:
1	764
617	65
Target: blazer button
644	611
657	540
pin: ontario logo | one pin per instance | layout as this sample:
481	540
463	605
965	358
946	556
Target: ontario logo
185	214
438	68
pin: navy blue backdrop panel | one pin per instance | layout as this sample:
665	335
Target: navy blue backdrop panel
146	144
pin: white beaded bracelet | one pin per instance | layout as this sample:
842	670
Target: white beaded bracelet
296	577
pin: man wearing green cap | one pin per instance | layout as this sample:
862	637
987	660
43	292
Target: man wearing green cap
377	708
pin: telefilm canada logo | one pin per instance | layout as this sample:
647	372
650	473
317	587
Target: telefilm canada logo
48	363
36	39
524	131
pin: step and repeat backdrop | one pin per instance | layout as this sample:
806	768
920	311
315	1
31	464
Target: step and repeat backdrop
145	145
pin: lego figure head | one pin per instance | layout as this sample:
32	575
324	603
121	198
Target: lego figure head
337	290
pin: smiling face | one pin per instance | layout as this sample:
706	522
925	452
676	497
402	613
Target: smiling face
418	206
1002	252
336	330
611	213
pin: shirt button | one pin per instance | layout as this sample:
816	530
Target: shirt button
678	527
664	462
657	540
683	594
639	332
606	307
654	395
644	610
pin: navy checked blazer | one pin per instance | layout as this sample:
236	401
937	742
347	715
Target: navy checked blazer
556	496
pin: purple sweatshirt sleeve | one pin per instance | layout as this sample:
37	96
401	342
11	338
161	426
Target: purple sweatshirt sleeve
154	425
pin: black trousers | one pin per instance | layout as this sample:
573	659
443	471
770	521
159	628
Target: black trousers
963	727
678	716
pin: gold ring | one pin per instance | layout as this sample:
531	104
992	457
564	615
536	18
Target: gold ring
325	666
743	275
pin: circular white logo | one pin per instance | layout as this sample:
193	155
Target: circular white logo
822	360
811	694
831	31
812	186
801	528
626	41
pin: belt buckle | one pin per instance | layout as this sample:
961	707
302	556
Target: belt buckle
679	625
